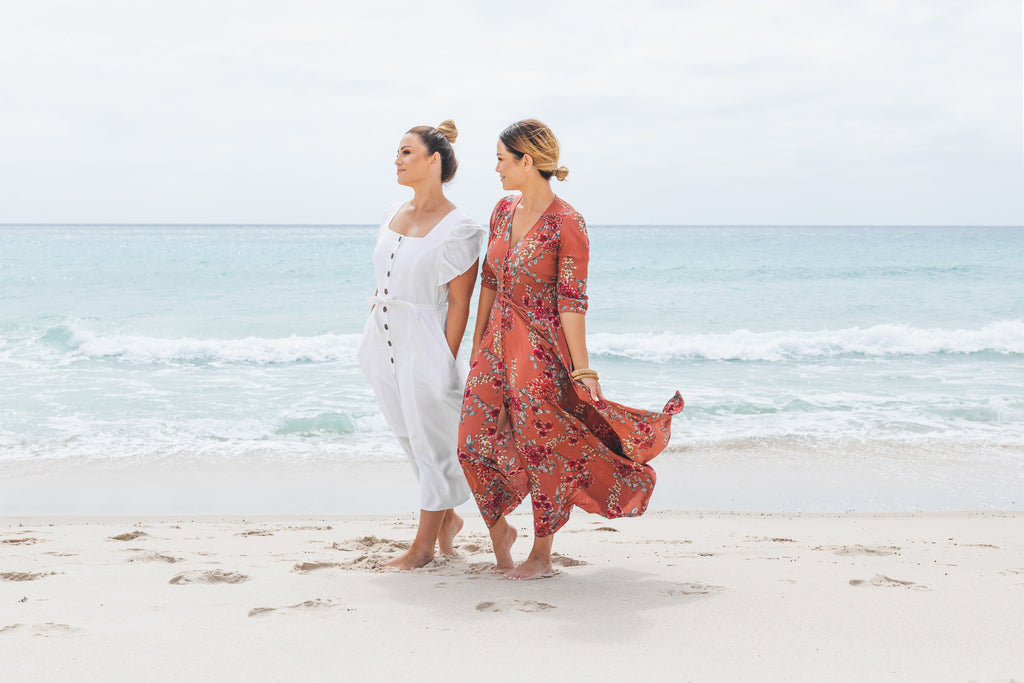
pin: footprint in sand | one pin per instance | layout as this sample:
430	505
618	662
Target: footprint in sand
20	541
875	551
510	605
47	629
365	543
373	552
256	532
130	536
24	576
889	582
383	544
563	561
439	562
315	604
695	588
214	576
154	557
307	567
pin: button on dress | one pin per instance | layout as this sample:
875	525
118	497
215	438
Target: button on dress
404	353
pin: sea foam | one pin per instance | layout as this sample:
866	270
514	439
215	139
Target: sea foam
1003	337
76	339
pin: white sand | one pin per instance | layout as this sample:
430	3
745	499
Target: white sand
669	596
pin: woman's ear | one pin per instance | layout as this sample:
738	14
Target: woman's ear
527	162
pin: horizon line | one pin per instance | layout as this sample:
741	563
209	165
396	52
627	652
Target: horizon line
589	225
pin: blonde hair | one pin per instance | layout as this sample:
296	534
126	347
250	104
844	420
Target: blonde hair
440	140
532	137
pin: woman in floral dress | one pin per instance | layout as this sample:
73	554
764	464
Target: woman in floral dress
534	419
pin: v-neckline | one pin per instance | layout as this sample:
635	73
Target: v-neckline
512	215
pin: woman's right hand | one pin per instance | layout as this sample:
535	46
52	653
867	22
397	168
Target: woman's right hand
593	386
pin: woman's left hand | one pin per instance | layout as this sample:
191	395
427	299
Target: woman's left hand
594	386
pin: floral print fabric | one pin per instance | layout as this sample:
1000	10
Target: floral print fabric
558	444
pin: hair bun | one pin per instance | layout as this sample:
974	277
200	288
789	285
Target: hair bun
561	172
447	128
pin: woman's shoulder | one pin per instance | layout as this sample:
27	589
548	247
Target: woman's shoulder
461	225
506	202
561	211
502	210
560	206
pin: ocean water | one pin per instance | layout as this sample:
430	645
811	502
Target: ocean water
212	368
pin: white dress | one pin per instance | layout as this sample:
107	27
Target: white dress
404	353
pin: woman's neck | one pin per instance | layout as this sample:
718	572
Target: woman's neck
428	197
537	195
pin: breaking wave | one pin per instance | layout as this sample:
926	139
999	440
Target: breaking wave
1003	337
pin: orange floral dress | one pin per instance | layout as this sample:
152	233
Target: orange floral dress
558	444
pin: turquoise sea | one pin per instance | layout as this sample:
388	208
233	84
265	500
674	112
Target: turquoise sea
203	368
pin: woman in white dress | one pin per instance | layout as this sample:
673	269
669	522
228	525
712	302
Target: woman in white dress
425	265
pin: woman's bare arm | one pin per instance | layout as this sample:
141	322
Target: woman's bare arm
574	327
460	294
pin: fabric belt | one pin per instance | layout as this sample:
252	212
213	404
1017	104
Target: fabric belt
390	300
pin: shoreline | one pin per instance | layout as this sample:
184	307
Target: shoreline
688	479
682	595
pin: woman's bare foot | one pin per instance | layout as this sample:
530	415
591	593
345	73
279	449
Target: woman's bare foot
413	558
450	528
503	535
538	564
421	552
531	568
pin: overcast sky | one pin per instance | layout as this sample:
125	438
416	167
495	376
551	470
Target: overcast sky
717	112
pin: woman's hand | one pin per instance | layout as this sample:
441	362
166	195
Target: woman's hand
593	386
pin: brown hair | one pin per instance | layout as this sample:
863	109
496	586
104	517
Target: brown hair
536	139
440	140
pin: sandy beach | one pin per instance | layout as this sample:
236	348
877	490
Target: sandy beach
668	596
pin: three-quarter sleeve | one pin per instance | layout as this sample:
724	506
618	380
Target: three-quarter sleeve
487	277
573	259
460	251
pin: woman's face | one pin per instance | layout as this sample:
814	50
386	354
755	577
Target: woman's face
412	163
512	171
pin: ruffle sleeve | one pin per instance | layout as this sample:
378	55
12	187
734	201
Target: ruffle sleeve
461	249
